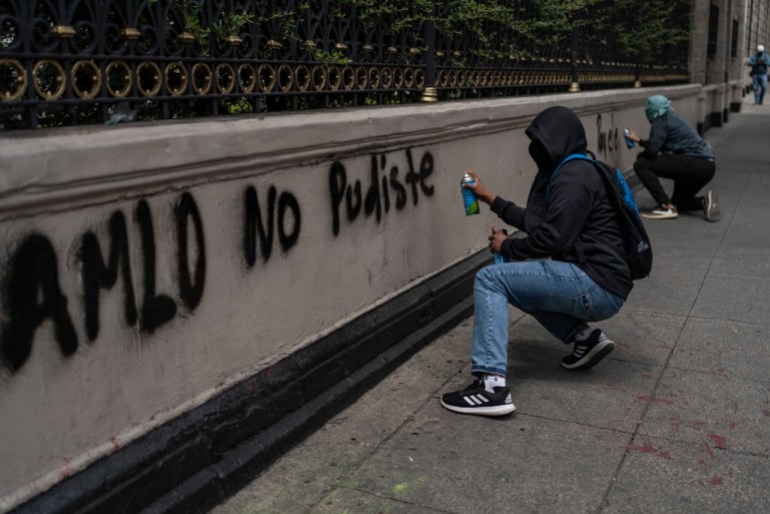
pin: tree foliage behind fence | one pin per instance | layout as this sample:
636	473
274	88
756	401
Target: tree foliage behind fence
68	62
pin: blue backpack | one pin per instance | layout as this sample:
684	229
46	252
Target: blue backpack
635	240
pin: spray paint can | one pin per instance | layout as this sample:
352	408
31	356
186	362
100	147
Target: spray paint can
469	197
499	259
627	136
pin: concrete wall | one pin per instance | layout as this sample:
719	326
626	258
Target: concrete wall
146	268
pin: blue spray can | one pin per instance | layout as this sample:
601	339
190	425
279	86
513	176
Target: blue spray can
469	197
627	136
499	259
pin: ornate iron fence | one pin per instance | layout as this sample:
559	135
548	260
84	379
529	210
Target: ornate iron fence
93	61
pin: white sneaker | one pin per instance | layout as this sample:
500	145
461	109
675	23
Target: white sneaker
661	213
711	206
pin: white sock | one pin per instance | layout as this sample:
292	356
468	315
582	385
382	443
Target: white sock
582	336
491	381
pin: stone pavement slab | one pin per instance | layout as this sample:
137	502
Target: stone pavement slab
671	477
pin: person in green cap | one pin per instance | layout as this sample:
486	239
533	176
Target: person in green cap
674	151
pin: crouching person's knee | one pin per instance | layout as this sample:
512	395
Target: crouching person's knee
485	279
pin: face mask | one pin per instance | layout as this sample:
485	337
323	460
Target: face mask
539	154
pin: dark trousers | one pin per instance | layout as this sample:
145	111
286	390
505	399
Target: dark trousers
689	174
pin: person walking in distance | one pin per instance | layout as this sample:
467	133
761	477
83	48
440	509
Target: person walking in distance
674	151
759	63
569	270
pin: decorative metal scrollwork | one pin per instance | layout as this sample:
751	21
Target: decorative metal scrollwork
86	79
177	78
147	52
267	78
302	77
285	77
119	80
49	79
202	78
225	75
387	77
362	78
374	77
13	80
348	78
319	78
335	78
148	78
398	78
247	77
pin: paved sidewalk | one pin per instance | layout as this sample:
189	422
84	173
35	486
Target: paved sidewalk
675	420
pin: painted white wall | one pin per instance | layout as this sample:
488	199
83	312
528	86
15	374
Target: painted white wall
60	413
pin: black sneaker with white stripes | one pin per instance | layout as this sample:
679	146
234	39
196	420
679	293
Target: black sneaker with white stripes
588	353
474	399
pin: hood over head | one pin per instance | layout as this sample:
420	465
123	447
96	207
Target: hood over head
555	133
657	105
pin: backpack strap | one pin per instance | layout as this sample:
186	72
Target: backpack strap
571	157
583	157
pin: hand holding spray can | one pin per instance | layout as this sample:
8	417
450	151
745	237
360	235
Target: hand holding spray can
469	197
627	136
499	258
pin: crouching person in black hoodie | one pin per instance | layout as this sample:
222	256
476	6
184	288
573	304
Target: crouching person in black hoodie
569	269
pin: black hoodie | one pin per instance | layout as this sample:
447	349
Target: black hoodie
577	223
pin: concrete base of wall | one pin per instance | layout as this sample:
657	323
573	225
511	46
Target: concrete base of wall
716	119
194	462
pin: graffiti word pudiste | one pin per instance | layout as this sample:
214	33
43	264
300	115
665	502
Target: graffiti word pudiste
378	193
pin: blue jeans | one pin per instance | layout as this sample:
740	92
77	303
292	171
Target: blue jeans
760	86
559	295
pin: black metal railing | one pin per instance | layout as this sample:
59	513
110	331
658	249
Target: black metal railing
68	62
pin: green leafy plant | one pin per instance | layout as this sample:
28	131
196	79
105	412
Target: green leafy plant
331	58
231	23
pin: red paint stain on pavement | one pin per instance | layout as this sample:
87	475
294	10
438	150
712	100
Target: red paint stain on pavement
766	412
719	441
735	407
654	399
708	449
716	481
647	447
115	443
675	423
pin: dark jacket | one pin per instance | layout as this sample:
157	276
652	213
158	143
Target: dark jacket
759	63
670	133
577	223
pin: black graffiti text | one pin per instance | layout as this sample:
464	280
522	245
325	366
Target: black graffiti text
262	225
609	140
33	294
377	198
